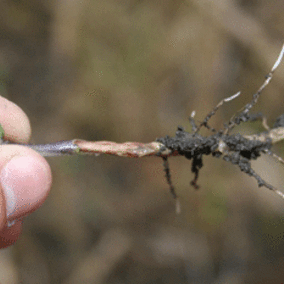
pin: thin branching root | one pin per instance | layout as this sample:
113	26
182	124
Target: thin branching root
234	148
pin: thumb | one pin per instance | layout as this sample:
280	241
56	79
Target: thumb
25	176
25	180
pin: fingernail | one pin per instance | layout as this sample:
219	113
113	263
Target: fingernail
25	184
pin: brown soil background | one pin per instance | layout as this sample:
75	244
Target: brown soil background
132	71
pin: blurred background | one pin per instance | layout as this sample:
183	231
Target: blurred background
134	70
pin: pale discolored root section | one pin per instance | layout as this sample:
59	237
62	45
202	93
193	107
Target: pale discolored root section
127	149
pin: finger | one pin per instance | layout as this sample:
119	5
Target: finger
14	121
25	180
2	210
9	235
25	176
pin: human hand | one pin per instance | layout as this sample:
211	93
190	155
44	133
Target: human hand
25	176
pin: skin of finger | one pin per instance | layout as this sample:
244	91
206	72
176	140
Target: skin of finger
17	128
2	210
9	235
7	152
14	121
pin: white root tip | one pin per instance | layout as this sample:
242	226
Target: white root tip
279	59
232	97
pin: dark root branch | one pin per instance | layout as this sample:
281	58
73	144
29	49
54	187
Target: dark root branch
235	148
